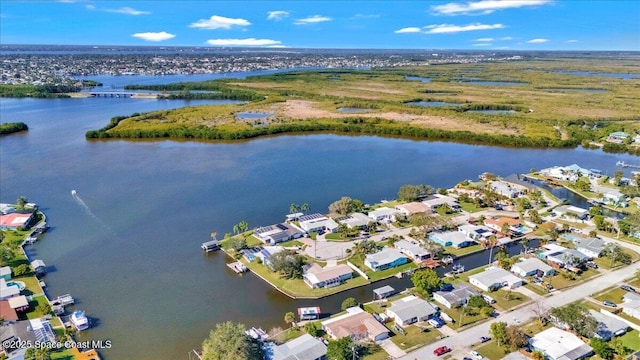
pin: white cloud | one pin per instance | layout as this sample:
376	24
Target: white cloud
128	11
483	7
484	39
408	30
277	15
364	16
537	41
482	44
506	38
154	36
572	41
90	7
219	22
312	20
243	42
449	28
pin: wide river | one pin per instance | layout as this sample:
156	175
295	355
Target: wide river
128	248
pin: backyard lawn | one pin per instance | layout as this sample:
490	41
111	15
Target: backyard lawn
505	300
614	295
414	336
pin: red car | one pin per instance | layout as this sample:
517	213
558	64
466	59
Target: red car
441	350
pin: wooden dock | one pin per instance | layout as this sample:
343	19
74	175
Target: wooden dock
625	165
210	245
238	267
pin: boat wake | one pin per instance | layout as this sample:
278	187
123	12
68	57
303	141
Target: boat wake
87	210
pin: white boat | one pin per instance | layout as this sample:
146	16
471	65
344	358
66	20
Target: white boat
79	320
458	269
73	192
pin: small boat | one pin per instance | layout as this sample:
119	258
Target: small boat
79	320
238	267
458	269
73	192
257	333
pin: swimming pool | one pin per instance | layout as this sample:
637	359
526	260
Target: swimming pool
19	284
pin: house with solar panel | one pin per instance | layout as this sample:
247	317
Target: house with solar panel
317	223
386	258
277	233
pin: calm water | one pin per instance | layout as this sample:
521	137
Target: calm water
252	115
496	83
625	76
130	250
417	78
353	110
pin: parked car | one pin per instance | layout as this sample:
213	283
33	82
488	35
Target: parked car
592	265
627	288
484	339
488	299
441	350
476	355
433	323
609	303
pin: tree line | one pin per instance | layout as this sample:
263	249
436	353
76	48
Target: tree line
9	128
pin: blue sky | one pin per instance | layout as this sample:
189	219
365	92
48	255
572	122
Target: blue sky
475	24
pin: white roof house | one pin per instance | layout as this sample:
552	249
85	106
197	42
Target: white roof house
316	276
530	267
383	214
558	344
437	200
413	208
385	259
475	232
412	250
567	210
277	233
305	347
632	308
5	272
7	292
505	189
608	326
355	220
409	310
494	278
317	222
456	297
591	247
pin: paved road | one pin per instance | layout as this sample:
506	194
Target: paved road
462	340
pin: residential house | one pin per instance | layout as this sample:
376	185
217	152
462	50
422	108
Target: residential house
475	232
532	267
494	278
563	256
305	347
412	250
456	239
357	324
592	247
457	297
317	222
11	336
618	137
497	224
385	259
19	303
14	220
7	312
39	267
608	326
8	291
355	220
411	208
5	273
383	214
612	196
436	200
318	277
6	209
383	292
632	308
409	310
572	211
43	330
277	233
505	189
266	252
558	344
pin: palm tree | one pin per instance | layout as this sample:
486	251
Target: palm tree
290	318
243	226
305	208
21	202
490	243
293	208
505	228
214	235
236	229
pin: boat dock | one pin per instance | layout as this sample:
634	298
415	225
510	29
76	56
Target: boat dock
210	245
238	267
59	303
625	165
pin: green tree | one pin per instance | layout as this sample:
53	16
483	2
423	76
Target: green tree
490	243
290	266
345	206
617	177
537	355
426	280
41	353
305	208
615	253
349	303
290	318
503	259
293	208
22	269
577	318
515	339
238	244
44	308
311	328
602	349
342	349
229	341
534	216
414	192
498	331
21	203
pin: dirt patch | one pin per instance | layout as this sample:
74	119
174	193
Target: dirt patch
304	109
594	113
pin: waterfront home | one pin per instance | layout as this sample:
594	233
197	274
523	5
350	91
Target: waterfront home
455	239
277	233
475	232
383	214
592	247
383	292
494	278
532	267
608	326
266	253
505	189
612	196
409	310
14	221
39	267
317	223
385	259
357	324
411	208
618	137
562	256
437	200
43	330
412	249
6	209
8	291
456	297
7	312
305	347
520	181
356	220
11	336
571	211
514	225
329	276
558	344
19	303
5	273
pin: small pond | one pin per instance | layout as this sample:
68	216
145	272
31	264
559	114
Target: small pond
417	78
612	75
492	112
250	115
353	110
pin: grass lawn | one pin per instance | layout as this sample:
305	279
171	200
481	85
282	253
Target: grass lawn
288	334
605	262
631	339
614	295
536	289
560	282
491	350
378	355
291	243
449	250
65	354
470	207
31	285
381	306
34	311
456	315
533	327
505	303
414	336
629	318
635	284
297	287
